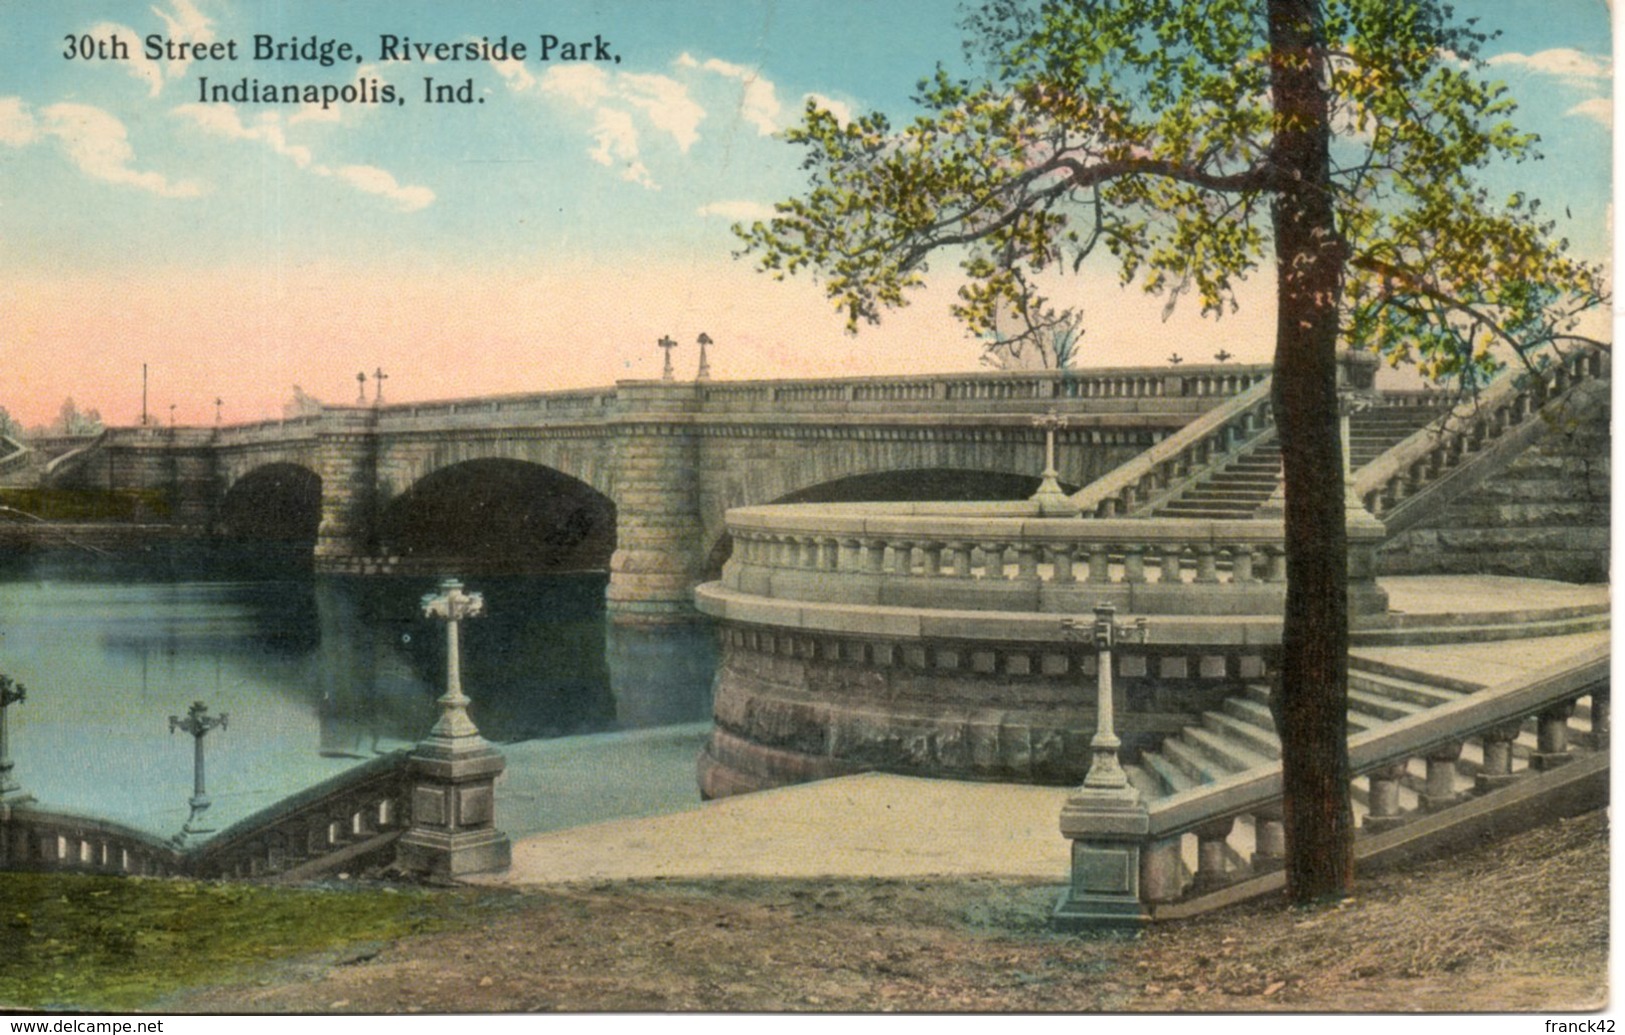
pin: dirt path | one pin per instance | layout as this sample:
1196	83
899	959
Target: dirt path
1427	937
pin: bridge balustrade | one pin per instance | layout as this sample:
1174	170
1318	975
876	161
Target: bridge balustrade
1507	411
1440	774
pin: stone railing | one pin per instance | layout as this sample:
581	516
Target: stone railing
340	822
1169	464
13	454
274	430
1002	557
1021	389
344	821
1451	771
1500	422
63	461
36	838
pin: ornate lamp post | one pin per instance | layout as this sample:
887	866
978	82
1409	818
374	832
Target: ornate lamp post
197	722
361	388
667	344
1051	500
11	692
378	379
454	770
1105	818
705	367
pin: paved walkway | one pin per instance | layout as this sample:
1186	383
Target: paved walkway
879	825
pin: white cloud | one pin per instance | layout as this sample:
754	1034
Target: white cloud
17	125
98	144
269	129
1563	62
613	101
841	111
586	86
759	100
667	104
373	180
1600	109
223	120
738	211
137	64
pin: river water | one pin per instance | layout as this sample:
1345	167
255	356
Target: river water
314	673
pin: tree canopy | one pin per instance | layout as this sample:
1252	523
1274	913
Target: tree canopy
1144	131
1193	142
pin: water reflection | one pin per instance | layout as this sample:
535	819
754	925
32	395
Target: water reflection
316	672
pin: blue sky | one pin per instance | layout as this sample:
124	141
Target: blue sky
542	237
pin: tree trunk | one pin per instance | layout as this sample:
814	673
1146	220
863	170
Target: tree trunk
1310	701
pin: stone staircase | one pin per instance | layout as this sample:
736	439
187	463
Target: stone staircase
1233	492
1240	734
1236	489
1377	429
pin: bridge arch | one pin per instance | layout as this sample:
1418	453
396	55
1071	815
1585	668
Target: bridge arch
497	515
278	501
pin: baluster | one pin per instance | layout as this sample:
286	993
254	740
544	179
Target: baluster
1269	840
851	558
829	550
874	556
1552	749
1026	561
1061	557
1206	568
1211	855
931	558
1100	569
1171	557
959	558
1497	744
1383	802
993	560
1440	790
1129	496
1134	563
811	550
1241	564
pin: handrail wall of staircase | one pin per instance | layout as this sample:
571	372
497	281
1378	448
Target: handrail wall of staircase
56	464
1503	419
1380	754
1215	434
17	454
38	838
314	831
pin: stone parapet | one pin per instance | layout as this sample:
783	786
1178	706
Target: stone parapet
1005	558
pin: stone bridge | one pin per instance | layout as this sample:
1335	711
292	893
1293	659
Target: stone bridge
635	477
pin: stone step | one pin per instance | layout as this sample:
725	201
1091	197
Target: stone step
1408	690
1196	764
1260	740
1172	778
1233	496
1366	664
1147	784
1174	510
1230	753
1380	707
1254	713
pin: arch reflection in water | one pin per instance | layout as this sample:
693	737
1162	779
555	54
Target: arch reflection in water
321	670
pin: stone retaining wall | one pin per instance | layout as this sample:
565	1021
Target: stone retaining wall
1545	516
